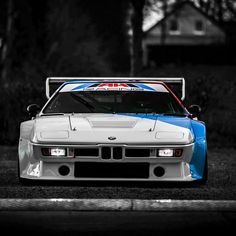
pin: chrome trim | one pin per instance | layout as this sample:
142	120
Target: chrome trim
152	158
114	145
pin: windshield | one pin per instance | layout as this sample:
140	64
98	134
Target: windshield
113	102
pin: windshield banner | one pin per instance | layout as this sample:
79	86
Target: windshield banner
113	87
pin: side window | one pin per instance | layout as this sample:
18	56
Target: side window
199	27
174	27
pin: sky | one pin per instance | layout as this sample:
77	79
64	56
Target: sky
151	20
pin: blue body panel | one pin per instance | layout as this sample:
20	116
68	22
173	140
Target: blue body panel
197	163
198	130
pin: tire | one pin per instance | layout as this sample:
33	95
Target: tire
205	174
22	181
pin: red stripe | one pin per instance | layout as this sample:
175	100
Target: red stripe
176	98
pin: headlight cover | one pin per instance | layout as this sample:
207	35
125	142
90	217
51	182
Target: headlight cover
56	152
169	152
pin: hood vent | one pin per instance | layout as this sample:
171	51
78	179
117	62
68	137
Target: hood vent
113	124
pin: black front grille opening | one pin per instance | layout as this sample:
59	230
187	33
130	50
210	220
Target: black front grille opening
93	152
137	152
106	153
117	153
111	170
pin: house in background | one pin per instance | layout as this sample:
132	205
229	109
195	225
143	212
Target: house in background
184	35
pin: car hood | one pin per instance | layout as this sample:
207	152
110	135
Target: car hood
113	128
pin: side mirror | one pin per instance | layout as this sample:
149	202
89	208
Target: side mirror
33	110
195	110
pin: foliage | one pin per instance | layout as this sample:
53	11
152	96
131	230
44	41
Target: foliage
214	89
53	38
87	38
220	10
13	103
50	38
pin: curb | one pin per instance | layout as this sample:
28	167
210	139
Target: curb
57	204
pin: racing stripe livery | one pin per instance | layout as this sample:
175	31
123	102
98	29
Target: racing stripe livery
117	145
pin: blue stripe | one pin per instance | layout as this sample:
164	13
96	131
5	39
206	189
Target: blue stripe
140	115
79	81
197	162
144	87
197	128
184	122
81	87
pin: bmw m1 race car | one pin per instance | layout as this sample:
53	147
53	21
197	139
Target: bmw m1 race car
133	129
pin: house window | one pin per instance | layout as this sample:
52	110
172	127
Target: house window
199	27
174	27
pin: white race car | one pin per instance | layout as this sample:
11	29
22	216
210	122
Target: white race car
121	129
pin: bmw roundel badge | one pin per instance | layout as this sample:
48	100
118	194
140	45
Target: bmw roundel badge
112	138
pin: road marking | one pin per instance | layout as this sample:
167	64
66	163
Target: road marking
61	204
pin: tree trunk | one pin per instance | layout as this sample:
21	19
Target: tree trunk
136	51
163	25
7	45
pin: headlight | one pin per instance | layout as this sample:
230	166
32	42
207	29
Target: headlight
165	152
168	152
58	152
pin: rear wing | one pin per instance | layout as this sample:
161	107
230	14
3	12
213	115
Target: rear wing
53	83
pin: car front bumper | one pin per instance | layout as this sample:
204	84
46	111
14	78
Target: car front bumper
134	165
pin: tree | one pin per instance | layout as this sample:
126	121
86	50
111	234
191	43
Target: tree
220	10
6	59
138	7
137	35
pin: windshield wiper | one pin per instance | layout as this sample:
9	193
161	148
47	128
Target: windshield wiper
53	114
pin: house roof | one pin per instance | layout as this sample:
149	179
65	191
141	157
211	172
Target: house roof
177	8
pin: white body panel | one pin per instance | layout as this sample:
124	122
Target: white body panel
96	128
107	146
93	130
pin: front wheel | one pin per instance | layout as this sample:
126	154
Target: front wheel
204	178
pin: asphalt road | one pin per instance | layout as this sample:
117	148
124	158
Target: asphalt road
221	184
117	223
